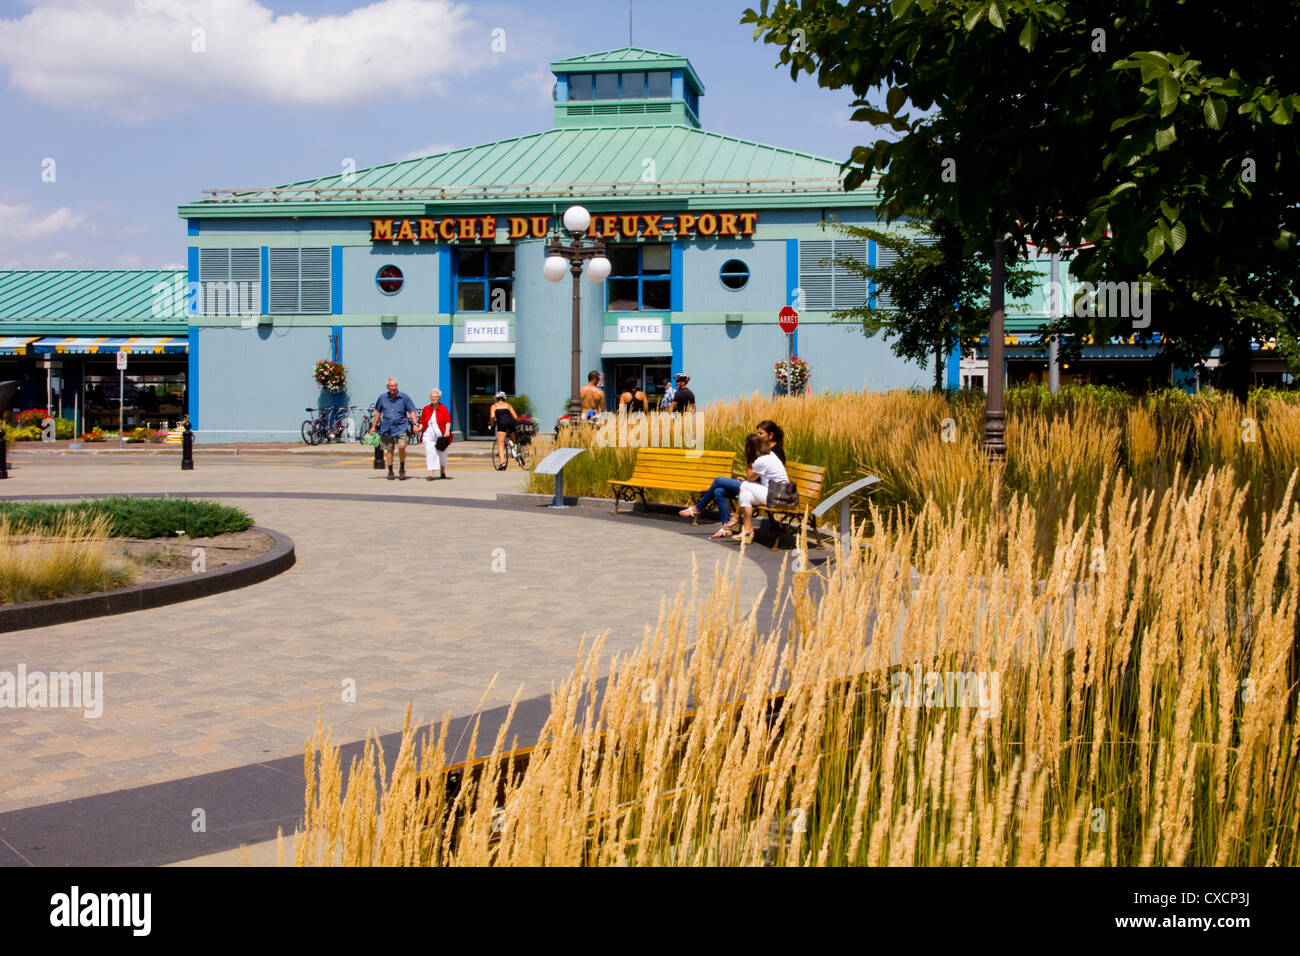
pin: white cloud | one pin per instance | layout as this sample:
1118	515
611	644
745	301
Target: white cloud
18	222
426	151
537	83
138	58
137	230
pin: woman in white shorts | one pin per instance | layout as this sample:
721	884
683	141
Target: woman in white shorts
766	468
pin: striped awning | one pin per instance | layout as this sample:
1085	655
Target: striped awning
16	344
168	345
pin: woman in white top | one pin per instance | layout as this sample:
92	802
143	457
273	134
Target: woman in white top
767	467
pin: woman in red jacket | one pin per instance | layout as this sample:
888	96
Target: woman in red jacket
435	431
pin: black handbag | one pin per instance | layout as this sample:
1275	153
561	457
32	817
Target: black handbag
782	494
441	442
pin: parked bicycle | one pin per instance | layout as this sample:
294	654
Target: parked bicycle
325	425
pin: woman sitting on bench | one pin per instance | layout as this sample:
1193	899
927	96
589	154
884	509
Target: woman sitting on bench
766	468
724	487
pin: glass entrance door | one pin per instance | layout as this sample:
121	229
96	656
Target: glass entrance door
649	374
482	382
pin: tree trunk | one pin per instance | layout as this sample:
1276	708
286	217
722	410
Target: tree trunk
938	367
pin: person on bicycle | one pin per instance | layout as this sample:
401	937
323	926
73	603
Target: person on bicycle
435	425
503	418
394	417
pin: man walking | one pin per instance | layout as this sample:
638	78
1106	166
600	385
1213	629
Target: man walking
395	414
592	396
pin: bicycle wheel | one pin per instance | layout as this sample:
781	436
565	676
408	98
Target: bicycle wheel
309	432
520	454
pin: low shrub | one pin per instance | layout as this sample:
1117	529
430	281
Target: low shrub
133	517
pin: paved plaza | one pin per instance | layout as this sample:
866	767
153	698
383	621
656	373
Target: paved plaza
394	589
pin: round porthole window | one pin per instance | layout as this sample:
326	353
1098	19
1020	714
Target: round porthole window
389	279
734	274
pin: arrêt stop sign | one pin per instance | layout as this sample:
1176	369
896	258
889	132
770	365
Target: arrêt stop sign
789	319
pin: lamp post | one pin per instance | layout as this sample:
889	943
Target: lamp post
561	256
995	445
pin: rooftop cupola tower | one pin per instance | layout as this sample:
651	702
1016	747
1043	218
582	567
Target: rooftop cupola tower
627	87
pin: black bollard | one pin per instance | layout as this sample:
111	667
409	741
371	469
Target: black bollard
379	457
4	455
187	449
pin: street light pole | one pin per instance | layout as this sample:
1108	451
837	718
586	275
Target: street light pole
995	412
560	257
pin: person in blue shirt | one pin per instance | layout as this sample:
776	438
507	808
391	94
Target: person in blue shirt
395	416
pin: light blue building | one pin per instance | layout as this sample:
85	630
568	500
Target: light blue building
430	270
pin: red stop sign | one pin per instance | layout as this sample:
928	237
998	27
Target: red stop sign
789	319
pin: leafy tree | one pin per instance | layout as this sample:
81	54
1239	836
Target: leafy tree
939	292
1161	132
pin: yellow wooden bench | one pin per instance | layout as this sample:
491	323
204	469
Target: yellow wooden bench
671	469
809	480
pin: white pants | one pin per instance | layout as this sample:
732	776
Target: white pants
752	493
431	453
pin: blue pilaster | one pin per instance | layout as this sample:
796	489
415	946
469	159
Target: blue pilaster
192	379
266	281
676	338
336	280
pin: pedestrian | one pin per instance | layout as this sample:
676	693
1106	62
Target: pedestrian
666	403
632	398
684	399
394	417
592	396
435	422
503	417
774	435
724	487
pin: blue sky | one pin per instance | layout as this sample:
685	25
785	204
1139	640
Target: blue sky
139	112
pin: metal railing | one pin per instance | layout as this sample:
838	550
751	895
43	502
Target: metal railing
529	190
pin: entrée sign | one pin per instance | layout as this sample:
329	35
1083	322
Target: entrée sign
626	226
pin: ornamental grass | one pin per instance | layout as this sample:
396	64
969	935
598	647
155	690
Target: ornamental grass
1127	699
70	555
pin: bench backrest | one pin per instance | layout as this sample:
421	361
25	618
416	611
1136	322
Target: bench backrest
808	479
659	463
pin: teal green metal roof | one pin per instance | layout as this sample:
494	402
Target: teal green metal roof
627	58
561	165
69	297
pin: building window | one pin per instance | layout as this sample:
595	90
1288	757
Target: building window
300	280
230	281
825	285
606	86
640	279
659	84
632	85
579	86
390	280
485	279
734	274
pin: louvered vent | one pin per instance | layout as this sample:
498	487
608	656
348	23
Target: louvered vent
230	281
300	280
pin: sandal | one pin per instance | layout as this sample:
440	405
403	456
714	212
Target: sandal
689	512
744	537
723	533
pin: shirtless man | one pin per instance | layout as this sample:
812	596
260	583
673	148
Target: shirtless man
592	396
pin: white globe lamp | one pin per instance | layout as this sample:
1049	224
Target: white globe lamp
598	269
576	220
554	268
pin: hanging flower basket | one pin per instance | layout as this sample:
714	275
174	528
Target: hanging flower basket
792	376
331	376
